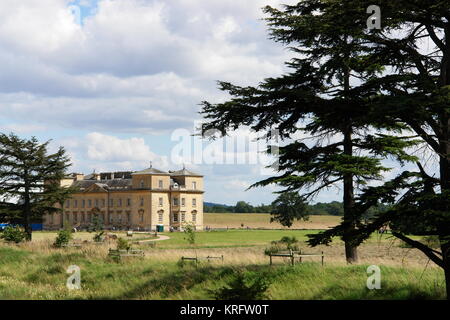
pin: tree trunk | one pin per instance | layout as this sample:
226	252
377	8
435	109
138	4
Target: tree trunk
351	253
445	248
27	214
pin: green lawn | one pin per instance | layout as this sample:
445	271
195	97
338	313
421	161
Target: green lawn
35	275
233	238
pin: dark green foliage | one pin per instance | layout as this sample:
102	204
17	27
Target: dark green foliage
13	234
96	225
123	244
63	238
289	206
243	286
24	167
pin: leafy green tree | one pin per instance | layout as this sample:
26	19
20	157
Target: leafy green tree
243	207
29	180
413	91
344	143
289	206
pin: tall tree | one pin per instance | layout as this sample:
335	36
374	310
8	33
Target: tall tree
414	47
29	180
315	99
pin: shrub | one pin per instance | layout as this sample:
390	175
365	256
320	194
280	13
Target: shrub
243	286
99	236
13	234
285	244
122	244
63	238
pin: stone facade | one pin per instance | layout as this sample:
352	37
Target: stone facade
132	200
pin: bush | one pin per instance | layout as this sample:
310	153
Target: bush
99	236
63	238
122	244
243	286
13	234
285	244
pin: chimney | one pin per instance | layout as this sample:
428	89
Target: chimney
112	175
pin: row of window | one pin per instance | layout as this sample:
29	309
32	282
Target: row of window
101	203
87	217
161	185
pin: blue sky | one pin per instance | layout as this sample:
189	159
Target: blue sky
114	85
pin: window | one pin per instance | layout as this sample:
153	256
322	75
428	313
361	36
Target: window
194	185
160	202
90	217
89	203
82	217
160	216
120	203
110	217
142	202
96	203
103	203
75	203
67	217
83	203
183	217
128	217
160	184
142	184
141	215
175	202
119	217
128	202
175	217
194	217
67	203
183	202
51	218
75	217
194	202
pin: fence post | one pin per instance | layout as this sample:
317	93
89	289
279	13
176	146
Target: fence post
292	257
300	259
270	255
322	258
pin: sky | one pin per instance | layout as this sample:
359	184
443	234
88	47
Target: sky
118	83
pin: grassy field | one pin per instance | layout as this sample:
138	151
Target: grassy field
38	271
262	220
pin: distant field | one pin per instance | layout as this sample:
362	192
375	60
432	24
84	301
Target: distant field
262	220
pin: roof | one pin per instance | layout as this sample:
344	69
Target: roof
105	184
151	171
185	172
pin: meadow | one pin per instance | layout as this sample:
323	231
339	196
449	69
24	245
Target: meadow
36	270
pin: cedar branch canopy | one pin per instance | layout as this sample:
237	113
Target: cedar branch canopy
30	180
354	97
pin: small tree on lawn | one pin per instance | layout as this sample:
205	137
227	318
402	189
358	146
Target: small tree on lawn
289	206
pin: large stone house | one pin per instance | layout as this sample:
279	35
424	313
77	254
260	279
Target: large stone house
150	199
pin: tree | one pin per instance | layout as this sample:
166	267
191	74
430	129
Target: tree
289	206
29	180
316	99
413	91
243	207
